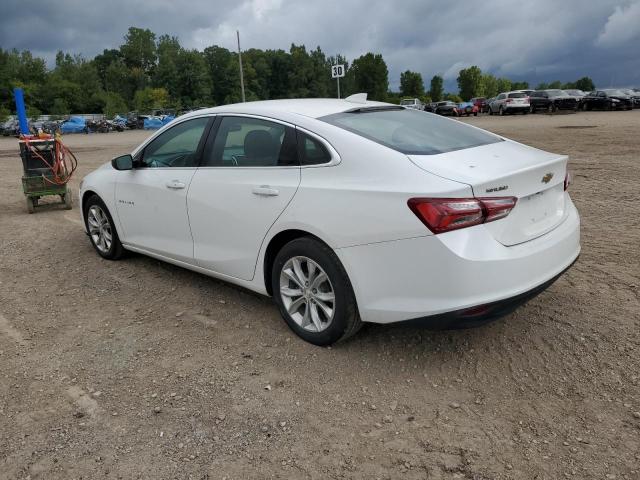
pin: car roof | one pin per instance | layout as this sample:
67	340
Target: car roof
308	107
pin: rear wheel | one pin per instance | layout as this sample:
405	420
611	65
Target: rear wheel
551	108
31	206
501	111
585	107
102	230
532	109
313	292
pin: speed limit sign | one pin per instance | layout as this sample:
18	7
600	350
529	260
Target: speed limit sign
337	71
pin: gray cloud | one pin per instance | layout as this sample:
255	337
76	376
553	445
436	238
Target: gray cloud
536	41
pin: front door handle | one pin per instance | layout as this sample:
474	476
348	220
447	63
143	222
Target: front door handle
175	184
265	191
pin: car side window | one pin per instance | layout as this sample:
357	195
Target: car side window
176	147
252	142
311	151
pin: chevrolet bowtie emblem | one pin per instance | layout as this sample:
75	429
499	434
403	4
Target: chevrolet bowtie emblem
547	177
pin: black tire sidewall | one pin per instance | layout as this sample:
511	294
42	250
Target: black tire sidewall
115	251
344	305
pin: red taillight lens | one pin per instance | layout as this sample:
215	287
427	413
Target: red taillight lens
497	207
509	100
567	180
445	214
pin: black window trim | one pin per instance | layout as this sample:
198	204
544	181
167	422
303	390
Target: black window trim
335	157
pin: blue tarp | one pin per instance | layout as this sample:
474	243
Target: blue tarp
74	125
167	119
120	120
152	123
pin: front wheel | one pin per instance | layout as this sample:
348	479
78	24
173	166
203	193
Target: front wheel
501	111
313	292
102	230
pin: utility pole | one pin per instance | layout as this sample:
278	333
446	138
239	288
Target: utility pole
240	62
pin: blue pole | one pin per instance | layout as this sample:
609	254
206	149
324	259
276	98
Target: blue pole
22	113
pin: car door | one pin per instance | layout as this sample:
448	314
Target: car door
249	174
151	198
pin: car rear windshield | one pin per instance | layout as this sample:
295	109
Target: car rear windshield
517	95
411	131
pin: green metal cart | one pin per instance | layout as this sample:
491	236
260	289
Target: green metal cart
38	179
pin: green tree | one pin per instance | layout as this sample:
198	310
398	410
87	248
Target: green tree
470	82
114	104
490	84
452	97
436	90
192	79
139	49
369	74
556	84
151	98
503	85
411	84
585	84
520	86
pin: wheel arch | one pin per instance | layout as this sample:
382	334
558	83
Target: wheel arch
275	244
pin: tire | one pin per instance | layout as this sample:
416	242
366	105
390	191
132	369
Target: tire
490	111
551	109
31	207
67	198
532	109
585	107
500	111
475	114
98	219
306	313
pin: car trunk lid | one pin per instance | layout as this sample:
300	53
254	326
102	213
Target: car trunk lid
534	177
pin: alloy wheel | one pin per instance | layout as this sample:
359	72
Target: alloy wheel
99	228
307	294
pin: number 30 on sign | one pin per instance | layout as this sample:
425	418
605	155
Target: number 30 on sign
337	71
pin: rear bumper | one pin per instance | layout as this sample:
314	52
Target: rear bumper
455	271
481	314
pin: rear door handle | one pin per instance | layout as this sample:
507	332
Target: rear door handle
265	191
175	184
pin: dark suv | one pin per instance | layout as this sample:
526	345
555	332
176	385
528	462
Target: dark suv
551	101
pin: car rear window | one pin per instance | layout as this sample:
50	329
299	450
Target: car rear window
517	95
411	131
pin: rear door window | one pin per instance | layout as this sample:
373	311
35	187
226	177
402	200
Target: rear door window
252	142
518	95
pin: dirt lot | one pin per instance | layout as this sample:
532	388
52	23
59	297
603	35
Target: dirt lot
138	369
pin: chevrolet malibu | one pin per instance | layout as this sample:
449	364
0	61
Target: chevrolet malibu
344	211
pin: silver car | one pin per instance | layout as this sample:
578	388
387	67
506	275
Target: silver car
510	102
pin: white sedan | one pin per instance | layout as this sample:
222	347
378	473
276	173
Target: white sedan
345	211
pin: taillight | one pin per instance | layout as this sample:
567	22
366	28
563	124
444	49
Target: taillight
509	100
567	180
445	214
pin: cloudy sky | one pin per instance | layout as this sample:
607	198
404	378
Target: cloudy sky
540	40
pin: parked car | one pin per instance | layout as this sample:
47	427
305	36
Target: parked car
466	108
353	211
446	107
510	102
551	101
414	103
607	99
634	95
525	91
579	94
482	104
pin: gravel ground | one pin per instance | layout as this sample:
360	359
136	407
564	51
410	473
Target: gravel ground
139	369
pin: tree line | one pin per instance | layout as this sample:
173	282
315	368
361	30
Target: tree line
154	72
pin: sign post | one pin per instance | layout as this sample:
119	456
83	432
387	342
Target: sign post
337	71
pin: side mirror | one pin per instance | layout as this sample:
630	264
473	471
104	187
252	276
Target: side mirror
123	162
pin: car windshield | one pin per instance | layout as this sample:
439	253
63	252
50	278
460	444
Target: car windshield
517	95
411	131
556	93
575	92
614	91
